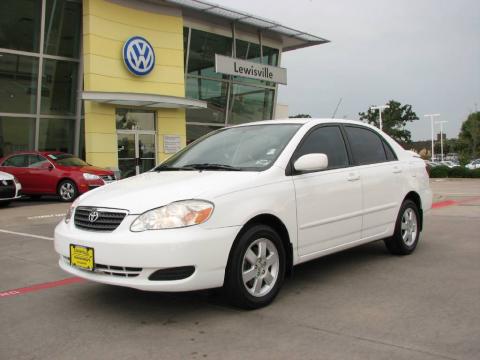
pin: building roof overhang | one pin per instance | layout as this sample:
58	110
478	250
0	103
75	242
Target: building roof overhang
291	38
152	101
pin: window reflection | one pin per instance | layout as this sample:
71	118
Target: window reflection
214	93
62	27
18	83
249	103
132	119
197	131
56	135
16	134
59	87
20	24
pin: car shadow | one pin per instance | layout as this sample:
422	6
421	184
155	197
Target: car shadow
27	201
161	307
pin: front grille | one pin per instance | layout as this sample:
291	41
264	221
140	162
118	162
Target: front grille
108	219
121	271
7	189
108	178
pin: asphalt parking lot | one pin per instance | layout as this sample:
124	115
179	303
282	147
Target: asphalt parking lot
358	304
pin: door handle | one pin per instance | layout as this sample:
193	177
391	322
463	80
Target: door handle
397	169
353	177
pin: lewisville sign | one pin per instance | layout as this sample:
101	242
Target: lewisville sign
232	66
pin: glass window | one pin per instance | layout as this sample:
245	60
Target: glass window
62	27
59	87
18	83
247	51
214	93
203	47
326	140
185	45
37	161
367	147
56	135
195	132
132	119
390	154
251	148
17	161
249	103
270	56
16	134
20	24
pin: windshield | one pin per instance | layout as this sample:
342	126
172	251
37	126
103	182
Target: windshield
253	148
67	160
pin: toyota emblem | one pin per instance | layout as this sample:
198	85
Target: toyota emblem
93	216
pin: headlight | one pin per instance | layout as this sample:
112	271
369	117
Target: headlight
70	211
88	176
174	215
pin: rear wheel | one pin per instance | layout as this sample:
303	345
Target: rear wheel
256	268
407	230
67	190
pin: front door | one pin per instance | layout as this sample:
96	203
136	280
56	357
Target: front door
135	140
136	152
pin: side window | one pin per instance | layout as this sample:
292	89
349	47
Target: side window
367	147
327	140
36	161
390	154
16	161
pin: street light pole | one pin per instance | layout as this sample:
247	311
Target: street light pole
431	116
380	109
441	135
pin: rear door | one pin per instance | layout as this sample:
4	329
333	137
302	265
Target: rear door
329	202
381	175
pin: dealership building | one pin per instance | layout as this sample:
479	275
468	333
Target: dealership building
126	83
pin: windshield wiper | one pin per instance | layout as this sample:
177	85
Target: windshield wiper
207	166
174	168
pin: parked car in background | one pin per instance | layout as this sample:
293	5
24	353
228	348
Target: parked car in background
474	164
449	164
10	188
50	173
241	206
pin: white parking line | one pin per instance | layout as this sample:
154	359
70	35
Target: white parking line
25	234
45	216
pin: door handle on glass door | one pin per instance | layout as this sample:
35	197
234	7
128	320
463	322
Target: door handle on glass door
353	177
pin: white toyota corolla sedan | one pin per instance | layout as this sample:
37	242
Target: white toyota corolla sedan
241	206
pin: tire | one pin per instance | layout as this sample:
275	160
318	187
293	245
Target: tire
407	230
67	191
263	270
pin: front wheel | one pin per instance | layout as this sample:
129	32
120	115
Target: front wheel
256	268
67	190
407	230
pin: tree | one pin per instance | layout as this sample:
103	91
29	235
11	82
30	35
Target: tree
470	135
298	116
394	120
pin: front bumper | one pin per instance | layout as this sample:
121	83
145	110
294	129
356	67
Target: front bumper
205	249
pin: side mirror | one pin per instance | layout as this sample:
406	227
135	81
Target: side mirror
47	166
311	162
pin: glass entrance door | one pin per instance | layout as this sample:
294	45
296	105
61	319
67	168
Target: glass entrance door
136	152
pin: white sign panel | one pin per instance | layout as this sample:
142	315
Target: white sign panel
171	144
249	69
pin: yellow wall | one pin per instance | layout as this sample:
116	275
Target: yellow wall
106	27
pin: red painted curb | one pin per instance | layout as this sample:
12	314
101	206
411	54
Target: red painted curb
42	286
441	204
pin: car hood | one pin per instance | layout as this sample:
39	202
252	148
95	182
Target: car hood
86	169
5	176
154	189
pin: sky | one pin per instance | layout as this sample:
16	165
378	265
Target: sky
425	53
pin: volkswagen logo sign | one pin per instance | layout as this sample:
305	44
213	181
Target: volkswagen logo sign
93	216
138	56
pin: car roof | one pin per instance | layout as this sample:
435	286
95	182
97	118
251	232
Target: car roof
304	121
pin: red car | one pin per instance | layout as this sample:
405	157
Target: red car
50	173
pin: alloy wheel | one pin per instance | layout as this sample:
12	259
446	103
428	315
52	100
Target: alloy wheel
409	227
